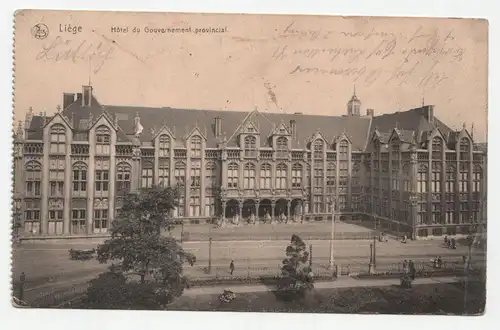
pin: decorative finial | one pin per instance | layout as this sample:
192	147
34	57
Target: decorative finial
19	128
30	110
354	94
58	108
173	130
463	125
91	119
137	125
423	101
115	120
73	119
472	131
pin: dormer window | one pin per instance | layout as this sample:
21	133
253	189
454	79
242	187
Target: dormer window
281	147
164	146
57	139
343	150
196	146
318	149
103	140
250	146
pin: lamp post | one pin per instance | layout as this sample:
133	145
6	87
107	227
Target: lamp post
210	249
334	205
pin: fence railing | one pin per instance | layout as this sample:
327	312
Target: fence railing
242	275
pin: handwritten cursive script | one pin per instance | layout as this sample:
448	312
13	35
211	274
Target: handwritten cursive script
60	50
415	58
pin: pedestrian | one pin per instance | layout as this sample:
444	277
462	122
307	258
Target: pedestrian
413	271
231	267
440	262
405	267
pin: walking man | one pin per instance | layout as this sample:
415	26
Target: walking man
231	267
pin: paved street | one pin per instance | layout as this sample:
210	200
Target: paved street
48	267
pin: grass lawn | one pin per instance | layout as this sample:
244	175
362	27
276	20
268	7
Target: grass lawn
421	299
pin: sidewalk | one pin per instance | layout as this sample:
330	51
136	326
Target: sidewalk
343	282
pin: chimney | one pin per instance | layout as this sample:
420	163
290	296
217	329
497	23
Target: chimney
218	126
293	128
68	99
430	114
79	96
370	112
86	96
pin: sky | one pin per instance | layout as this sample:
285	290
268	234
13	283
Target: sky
308	64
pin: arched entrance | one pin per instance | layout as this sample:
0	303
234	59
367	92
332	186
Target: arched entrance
232	208
264	207
281	207
248	208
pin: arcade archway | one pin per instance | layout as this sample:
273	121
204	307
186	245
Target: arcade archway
248	208
232	208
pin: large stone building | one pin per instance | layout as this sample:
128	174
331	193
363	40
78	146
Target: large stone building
406	172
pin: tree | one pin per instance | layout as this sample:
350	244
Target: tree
140	248
296	274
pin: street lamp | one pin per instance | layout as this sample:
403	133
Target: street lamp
334	213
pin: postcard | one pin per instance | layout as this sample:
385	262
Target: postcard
249	163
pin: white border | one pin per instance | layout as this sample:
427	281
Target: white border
39	319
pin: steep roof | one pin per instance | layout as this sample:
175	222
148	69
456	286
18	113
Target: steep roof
185	120
414	120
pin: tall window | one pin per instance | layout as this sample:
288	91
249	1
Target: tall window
232	175
32	216
194	206
56	177
250	146
318	174
100	221
79	177
296	176
195	174
343	176
464	177
464	149
164	147
180	173
209	206
318	149
57	139
344	150
179	210
55	221
451	176
33	179
476	179
103	140
164	173
464	212
281	176
437	147
436	177
249	176
123	179
281	146
406	178
265	176
101	180
78	216
331	177
210	176
196	146
147	175
318	204
422	178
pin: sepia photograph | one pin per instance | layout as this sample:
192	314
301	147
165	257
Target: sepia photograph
249	163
